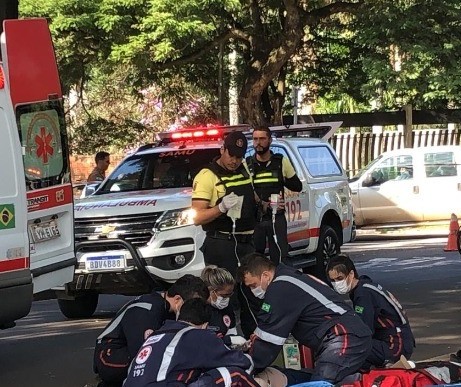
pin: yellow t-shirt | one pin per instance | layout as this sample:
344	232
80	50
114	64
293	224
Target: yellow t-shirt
207	186
288	170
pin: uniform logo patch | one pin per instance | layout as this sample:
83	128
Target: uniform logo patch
154	339
266	307
226	320
359	309
143	355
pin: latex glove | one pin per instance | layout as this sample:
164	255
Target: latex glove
238	340
228	202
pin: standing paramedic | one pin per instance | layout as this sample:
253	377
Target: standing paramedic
378	308
217	189
312	312
271	173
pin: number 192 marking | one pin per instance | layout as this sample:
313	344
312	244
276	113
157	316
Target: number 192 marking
293	209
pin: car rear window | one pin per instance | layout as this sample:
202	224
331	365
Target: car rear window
440	164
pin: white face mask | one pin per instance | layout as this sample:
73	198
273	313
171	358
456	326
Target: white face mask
221	302
259	292
341	287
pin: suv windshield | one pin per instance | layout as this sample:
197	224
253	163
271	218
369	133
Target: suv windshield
362	171
173	169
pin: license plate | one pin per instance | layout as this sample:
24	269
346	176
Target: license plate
107	262
45	231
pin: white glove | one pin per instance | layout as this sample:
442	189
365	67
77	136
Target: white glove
228	202
238	340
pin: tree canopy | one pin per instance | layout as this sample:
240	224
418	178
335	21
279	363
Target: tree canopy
388	51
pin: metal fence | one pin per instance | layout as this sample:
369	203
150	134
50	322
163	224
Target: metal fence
356	150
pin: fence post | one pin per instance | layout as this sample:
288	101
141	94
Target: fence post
408	129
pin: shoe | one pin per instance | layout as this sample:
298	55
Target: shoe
456	357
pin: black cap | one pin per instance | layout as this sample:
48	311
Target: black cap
236	143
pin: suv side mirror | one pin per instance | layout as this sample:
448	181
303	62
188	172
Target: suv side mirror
373	178
89	190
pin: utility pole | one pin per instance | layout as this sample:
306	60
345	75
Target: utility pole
221	82
294	99
9	9
408	128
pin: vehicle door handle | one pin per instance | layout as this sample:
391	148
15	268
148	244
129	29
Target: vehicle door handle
416	189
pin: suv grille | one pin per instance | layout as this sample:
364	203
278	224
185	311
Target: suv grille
135	229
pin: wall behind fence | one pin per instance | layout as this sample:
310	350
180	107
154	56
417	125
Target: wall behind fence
355	150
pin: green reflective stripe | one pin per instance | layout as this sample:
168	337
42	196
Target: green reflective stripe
263	174
271	180
234	177
237	183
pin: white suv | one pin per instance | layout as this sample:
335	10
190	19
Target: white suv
136	231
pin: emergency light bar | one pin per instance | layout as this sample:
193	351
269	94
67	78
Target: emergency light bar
323	130
207	133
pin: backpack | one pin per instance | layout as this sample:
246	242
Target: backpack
396	377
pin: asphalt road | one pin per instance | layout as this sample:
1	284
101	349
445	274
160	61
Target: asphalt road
47	350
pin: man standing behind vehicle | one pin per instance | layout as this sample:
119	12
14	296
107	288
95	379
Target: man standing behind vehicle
102	160
218	190
271	173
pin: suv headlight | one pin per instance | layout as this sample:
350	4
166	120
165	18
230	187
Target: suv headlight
175	218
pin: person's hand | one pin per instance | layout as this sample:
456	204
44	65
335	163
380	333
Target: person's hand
228	202
238	340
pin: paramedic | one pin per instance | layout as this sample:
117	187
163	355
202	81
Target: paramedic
378	308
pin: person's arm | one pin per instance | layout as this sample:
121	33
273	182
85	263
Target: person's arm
215	353
276	320
139	323
290	178
364	306
202	194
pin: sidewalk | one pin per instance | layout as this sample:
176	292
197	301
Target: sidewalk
440	229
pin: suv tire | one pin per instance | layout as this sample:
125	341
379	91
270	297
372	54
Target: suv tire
328	246
83	306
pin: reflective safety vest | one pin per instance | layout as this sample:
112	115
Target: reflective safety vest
267	177
238	182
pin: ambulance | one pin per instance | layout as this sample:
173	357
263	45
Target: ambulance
36	203
136	231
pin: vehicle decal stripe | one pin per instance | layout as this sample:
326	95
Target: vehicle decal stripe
42	199
14	264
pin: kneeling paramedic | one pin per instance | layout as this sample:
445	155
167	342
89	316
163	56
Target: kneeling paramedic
218	190
134	322
185	353
378	308
312	312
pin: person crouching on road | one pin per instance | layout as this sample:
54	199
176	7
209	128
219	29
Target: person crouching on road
311	311
221	286
185	353
378	308
271	174
217	190
134	322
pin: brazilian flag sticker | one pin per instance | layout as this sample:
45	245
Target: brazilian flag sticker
266	307
359	309
7	216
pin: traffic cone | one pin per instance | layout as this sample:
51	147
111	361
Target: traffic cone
452	244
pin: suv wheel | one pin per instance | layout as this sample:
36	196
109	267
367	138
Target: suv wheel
83	306
328	247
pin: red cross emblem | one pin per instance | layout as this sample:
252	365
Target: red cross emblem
43	142
143	355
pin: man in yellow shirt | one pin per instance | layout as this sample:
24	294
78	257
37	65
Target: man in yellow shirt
225	205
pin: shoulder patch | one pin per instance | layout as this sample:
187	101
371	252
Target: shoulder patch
359	309
265	307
